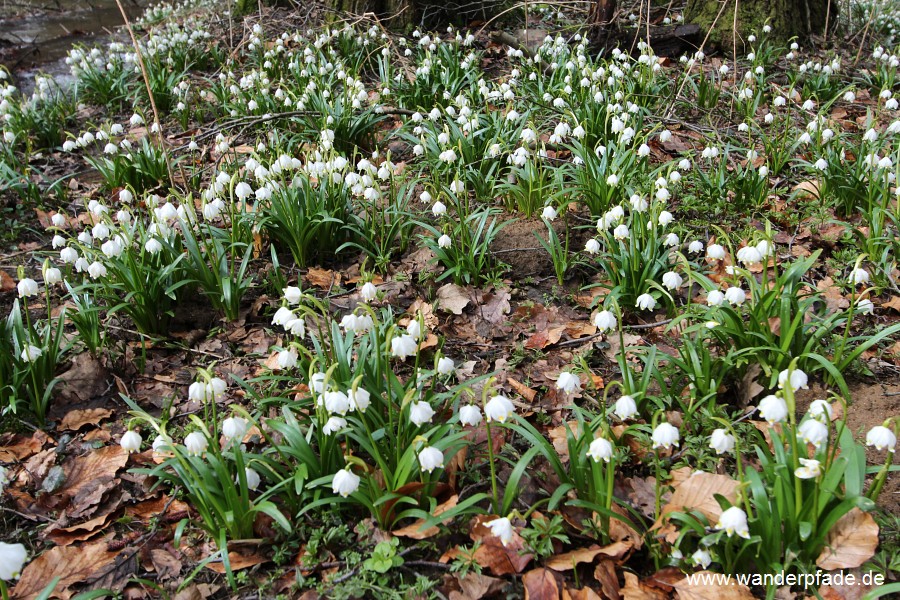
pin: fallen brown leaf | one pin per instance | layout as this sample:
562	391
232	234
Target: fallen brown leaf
851	542
76	419
322	278
72	564
697	493
635	590
540	584
452	298
475	586
415	530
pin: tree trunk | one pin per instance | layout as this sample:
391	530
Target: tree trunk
788	18
395	13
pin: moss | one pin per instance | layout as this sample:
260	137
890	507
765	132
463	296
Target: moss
788	19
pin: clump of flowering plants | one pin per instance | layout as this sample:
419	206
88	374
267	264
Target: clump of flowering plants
810	476
372	413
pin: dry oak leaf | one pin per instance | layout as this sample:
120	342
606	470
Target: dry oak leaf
72	564
697	492
540	584
851	542
415	530
452	298
703	585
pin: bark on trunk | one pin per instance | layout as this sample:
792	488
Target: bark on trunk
788	18
395	13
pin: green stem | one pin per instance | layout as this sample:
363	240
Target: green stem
490	444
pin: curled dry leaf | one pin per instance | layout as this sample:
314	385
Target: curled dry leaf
76	419
417	532
569	560
697	492
851	542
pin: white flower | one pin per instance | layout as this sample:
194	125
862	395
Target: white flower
568	382
131	441
243	190
282	316
292	294
235	428
734	521
701	558
414	329
625	407
605	321
296	327
864	306
96	270
27	288
600	449
287	359
359	399
31	353
715	252
548	213
420	413
671	240
621	232
810	469
430	459
612	180
444	241
445	365
749	255
672	280
881	438
645	302
721	441
404	346
469	415
501	528
715	298
859	276
773	409
798	379
336	402
162	443
368	292
813	431
196	443
12	559
735	296
153	246
820	409
344	483
665	217
665	436
439	207
334	425
498	408
252	477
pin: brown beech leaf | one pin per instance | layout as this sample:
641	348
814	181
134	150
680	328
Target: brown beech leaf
582	594
893	303
522	389
238	562
698	587
545	338
72	564
635	590
492	554
569	560
7	282
540	584
76	419
417	532
697	492
475	586
89	477
322	278
605	574
495	307
65	536
851	542
19	447
452	298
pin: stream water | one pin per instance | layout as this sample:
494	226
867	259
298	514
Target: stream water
36	35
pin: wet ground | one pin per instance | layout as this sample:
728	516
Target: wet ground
36	35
